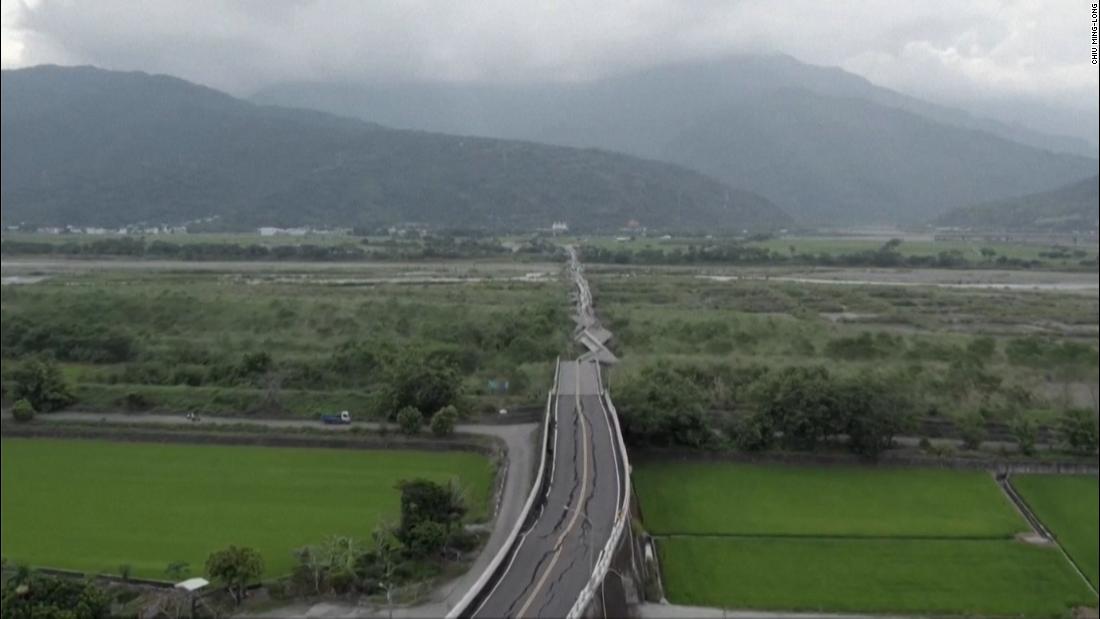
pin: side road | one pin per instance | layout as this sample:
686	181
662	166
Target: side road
518	471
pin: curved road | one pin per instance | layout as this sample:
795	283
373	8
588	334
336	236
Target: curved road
555	557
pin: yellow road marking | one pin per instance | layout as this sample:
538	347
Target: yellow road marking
576	511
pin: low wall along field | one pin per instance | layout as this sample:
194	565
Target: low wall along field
95	506
849	539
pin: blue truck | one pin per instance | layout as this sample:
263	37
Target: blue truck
344	418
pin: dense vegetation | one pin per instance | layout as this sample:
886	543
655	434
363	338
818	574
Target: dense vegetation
891	254
1072	208
290	343
84	146
756	365
32	595
254	248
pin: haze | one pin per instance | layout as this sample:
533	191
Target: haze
1024	63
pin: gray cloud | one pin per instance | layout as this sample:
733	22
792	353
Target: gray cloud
1035	50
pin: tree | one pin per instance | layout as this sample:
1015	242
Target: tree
235	567
877	409
22	410
426	538
426	501
972	430
803	405
443	422
422	381
30	595
1077	428
1026	433
40	382
661	405
410	420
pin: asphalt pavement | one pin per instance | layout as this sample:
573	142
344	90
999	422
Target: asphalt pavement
555	557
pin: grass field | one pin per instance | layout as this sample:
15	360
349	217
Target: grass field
984	577
1068	506
858	502
847	540
96	505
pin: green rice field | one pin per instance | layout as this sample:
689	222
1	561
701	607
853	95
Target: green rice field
978	577
1068	506
855	502
96	506
848	539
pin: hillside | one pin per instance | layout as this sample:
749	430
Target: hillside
791	132
1072	208
84	146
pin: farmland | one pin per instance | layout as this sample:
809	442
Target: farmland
847	539
97	506
845	502
1068	507
980	577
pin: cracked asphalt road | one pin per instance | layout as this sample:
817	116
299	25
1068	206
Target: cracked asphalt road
556	555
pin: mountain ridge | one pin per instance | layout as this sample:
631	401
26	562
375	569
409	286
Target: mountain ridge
653	113
1074	207
87	146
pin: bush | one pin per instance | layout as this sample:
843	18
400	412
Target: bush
1026	432
972	430
661	405
443	422
410	420
22	411
40	382
1077	429
28	594
235	567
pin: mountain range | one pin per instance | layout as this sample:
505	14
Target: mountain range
85	146
1070	208
825	145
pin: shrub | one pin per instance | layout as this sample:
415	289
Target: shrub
22	411
1077	429
661	405
443	422
40	382
1025	431
235	567
410	420
972	430
28	594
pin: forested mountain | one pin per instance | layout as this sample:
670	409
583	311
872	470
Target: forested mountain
1071	208
85	146
827	146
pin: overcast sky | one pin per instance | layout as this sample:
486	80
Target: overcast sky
1034	50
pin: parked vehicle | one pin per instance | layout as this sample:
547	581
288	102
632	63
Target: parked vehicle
343	418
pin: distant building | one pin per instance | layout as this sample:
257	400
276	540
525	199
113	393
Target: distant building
559	227
273	231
